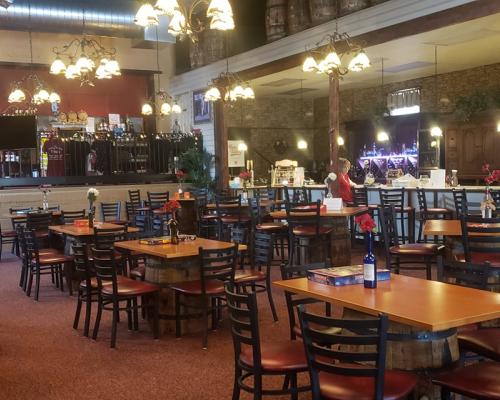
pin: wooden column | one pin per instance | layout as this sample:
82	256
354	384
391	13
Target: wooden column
221	147
334	107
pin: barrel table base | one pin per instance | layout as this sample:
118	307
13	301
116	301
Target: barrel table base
411	349
164	272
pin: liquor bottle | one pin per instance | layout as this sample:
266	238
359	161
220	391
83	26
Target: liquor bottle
369	264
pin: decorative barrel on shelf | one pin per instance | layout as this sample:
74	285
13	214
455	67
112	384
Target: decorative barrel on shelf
350	6
214	45
322	10
298	16
195	54
275	19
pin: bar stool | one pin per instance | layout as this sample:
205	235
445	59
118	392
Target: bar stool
304	225
396	197
426	213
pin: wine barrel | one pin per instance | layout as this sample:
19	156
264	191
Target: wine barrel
214	45
195	54
298	15
411	349
350	6
275	19
322	10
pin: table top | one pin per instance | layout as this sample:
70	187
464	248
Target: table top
80	231
428	305
172	251
344	212
449	227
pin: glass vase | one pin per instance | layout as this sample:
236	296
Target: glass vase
369	263
45	201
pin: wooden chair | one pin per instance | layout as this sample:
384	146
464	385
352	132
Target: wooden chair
293	300
258	278
351	372
112	292
396	197
406	256
69	216
305	230
216	267
43	264
426	213
111	212
253	360
230	213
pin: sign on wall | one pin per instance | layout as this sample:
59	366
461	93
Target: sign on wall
236	158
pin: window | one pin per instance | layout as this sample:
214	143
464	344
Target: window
403	102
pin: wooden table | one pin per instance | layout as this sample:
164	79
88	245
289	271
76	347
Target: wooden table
423	317
81	232
449	227
167	264
340	237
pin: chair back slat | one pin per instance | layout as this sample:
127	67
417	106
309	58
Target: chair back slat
217	265
360	196
389	226
105	268
69	216
262	249
422	200
105	238
81	262
480	235
157	200
51	208
309	214
464	273
460	200
255	211
135	198
39	221
111	211
239	234
323	355
20	210
392	197
228	205
31	249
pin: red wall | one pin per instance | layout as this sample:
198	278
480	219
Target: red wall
120	95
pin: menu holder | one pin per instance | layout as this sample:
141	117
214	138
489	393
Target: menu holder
333	204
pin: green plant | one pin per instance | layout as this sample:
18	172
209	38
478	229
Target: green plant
198	163
468	106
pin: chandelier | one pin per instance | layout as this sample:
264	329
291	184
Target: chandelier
228	86
86	59
31	90
326	59
182	19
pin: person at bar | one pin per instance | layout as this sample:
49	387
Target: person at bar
345	183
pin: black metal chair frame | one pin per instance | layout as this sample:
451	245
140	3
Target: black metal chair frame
228	206
111	212
396	197
157	199
70	216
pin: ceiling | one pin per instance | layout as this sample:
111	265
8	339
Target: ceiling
461	46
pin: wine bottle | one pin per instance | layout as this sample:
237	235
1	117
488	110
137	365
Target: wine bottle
369	264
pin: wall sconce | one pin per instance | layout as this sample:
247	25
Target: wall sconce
436	131
302	145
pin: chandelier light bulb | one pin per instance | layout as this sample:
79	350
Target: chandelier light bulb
102	71
332	61
212	94
165	109
16	96
302	145
382	136
85	64
147	109
54	98
360	62
248	93
238	92
219	7
43	95
340	141
113	67
58	67
72	71
310	64
176	109
167	7
177	24
436	131
146	16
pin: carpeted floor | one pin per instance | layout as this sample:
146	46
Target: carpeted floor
42	357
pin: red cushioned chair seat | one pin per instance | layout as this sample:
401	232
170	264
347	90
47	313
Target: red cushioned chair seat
311	230
424	249
405	209
94	285
249	275
480	380
230	219
278	357
485	342
212	287
48	251
54	258
138	272
9	234
131	287
397	385
271	226
480	258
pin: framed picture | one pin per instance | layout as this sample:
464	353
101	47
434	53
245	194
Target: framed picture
202	110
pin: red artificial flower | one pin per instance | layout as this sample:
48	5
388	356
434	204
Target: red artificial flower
366	223
486	168
245	176
180	174
171	206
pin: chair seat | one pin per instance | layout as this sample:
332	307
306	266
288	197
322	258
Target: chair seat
480	258
234	219
272	227
397	385
131	287
417	249
405	209
485	342
278	357
9	234
249	275
478	380
49	251
94	285
138	272
194	288
311	230
434	210
54	258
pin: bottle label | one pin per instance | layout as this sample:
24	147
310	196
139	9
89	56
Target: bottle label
369	272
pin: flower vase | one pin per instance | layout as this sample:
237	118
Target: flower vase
369	264
180	190
486	210
45	201
91	215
